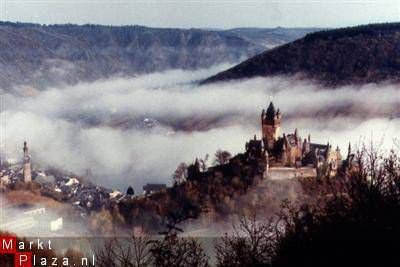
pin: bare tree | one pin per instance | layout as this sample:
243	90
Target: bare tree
178	251
222	157
181	173
354	209
124	252
250	244
141	250
204	163
173	250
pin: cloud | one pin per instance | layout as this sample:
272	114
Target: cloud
101	125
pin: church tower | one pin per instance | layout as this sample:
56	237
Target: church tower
271	125
26	164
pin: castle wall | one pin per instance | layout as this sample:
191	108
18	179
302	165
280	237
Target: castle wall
279	173
294	154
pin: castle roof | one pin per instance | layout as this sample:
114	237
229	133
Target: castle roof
316	150
270	114
154	187
254	145
314	146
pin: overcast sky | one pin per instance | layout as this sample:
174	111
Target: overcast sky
210	14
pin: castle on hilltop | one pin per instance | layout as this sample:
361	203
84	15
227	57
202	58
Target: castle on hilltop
290	150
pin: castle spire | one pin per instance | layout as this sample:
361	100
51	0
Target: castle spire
278	114
270	114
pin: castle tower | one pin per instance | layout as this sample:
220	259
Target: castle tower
338	154
284	158
26	164
306	147
271	125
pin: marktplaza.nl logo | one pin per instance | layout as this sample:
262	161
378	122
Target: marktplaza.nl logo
8	246
23	256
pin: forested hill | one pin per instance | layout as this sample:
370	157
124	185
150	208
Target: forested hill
355	55
39	56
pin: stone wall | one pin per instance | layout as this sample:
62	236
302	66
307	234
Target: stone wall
279	173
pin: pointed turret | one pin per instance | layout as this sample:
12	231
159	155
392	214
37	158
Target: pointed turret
278	114
306	147
270	114
197	164
284	156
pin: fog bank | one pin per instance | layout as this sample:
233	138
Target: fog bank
134	131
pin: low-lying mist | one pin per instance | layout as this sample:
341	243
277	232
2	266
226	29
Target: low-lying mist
134	131
17	218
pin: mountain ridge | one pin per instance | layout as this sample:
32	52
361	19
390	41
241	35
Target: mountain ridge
42	56
353	55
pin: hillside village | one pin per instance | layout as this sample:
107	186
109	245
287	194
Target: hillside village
210	191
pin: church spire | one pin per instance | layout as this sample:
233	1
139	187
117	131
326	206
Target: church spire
25	149
26	165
